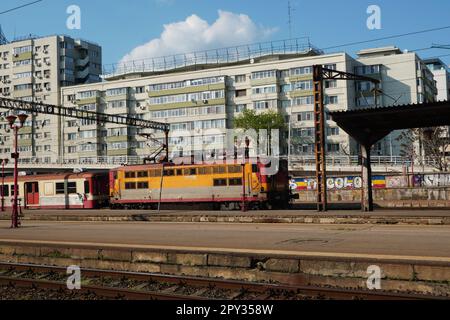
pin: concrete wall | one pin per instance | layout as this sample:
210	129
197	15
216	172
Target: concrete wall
391	198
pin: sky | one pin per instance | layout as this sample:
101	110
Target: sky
138	29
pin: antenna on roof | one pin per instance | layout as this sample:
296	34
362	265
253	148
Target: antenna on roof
290	21
3	39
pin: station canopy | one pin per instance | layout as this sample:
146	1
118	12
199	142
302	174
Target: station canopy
368	126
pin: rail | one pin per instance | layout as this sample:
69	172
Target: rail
133	285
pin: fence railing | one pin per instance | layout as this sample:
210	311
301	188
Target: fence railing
294	161
356	161
211	57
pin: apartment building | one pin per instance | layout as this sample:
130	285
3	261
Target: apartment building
35	69
441	76
201	104
405	79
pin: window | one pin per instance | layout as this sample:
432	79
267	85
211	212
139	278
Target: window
302	85
117	104
330	66
265	89
72	149
116	92
130	174
71	136
86	95
220	182
264	74
305	116
21	50
71	188
219	170
362	70
333	131
142	174
87	187
204	170
301	101
6	191
331	100
140	90
270	104
234	169
241	93
190	172
333	147
155	173
301	71
330	84
235	182
240	78
142	185
169	173
240	108
130	185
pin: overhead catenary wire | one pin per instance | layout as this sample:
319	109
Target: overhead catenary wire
20	7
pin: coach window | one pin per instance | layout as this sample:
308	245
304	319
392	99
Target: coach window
60	188
6	191
71	188
87	187
142	185
12	191
179	172
235	182
220	182
130	185
130	174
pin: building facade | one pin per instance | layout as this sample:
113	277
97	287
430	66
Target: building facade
201	104
35	69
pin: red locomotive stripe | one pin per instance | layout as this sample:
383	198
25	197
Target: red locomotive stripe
189	200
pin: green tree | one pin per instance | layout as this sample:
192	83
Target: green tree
269	120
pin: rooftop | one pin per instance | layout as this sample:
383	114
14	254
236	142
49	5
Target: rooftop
251	53
382	51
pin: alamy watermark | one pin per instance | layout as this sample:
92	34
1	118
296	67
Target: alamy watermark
74	279
374	279
374	19
73	22
214	146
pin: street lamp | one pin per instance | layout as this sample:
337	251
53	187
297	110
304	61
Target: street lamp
11	120
4	163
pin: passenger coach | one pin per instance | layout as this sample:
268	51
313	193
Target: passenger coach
59	191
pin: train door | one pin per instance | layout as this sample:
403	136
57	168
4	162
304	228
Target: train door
32	193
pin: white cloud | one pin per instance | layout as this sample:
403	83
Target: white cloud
196	34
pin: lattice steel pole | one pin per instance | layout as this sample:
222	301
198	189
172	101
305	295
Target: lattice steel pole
320	147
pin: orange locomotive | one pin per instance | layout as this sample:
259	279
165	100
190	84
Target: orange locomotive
221	186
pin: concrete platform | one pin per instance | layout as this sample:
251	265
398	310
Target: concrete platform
389	217
412	258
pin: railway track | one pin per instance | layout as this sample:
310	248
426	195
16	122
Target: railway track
144	286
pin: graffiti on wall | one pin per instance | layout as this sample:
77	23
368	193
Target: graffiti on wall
340	183
378	182
436	180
